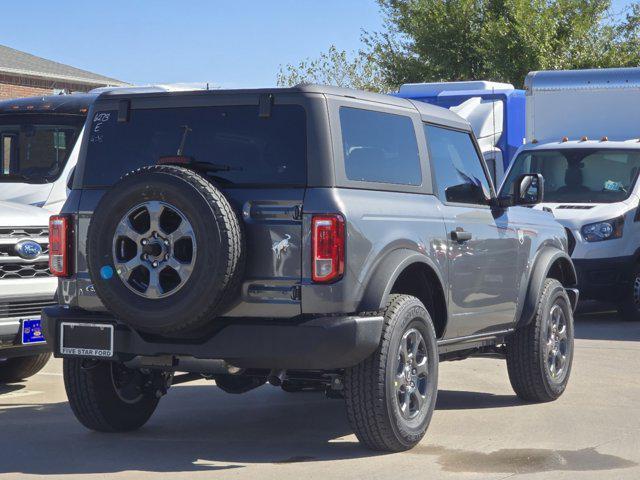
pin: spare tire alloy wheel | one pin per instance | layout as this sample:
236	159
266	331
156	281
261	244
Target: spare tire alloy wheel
165	251
154	249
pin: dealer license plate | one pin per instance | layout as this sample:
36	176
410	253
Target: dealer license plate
86	339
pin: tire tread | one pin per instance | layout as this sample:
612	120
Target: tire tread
523	353
365	394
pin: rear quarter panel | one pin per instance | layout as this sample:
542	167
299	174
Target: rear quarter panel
377	223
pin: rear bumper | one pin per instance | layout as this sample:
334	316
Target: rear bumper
316	344
17	289
603	279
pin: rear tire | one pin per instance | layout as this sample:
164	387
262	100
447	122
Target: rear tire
99	405
19	368
629	308
540	354
391	395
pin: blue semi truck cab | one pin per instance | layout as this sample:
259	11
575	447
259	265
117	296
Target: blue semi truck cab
495	110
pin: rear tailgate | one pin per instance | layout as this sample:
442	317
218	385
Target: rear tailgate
259	163
272	225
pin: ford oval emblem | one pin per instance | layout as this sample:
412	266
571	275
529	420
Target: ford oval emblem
28	249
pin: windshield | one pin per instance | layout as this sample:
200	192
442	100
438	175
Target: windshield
35	149
579	175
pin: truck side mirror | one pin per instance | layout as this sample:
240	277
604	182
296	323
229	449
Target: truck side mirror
529	189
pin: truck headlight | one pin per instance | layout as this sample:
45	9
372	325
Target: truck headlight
606	230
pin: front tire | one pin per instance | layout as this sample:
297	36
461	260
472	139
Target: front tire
391	395
107	397
19	368
540	354
629	308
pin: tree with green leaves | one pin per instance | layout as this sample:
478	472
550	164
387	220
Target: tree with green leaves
502	40
334	67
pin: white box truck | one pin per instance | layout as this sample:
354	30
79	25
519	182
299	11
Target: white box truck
495	111
583	136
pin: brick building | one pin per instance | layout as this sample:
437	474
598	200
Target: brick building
24	75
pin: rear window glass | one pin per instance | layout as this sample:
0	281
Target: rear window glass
379	147
233	144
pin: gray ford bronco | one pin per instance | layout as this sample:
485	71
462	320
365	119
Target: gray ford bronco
314	238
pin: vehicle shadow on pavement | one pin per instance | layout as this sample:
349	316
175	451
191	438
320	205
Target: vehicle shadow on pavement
463	400
196	428
601	323
7	389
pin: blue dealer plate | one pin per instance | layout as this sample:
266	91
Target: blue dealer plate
32	331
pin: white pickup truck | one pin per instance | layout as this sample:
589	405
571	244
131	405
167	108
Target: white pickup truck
583	136
26	286
40	141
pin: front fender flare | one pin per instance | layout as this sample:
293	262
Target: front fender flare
543	263
387	272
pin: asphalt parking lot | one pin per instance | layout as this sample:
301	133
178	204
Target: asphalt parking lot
480	429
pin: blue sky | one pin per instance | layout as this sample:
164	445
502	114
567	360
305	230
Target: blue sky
229	43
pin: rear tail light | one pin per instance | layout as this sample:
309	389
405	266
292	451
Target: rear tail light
327	244
60	245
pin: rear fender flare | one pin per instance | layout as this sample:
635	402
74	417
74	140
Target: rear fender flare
384	276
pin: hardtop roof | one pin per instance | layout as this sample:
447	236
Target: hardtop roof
428	112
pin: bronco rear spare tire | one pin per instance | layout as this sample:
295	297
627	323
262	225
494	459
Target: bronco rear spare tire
165	250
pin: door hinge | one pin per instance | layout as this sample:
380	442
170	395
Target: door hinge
296	292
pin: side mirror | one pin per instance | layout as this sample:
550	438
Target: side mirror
529	189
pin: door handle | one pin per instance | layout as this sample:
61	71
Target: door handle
460	236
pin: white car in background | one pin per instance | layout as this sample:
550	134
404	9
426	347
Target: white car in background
26	286
40	139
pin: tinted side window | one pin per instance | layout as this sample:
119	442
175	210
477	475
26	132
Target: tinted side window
459	174
379	147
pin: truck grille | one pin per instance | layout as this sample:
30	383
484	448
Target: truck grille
576	207
24	270
22	233
31	308
12	265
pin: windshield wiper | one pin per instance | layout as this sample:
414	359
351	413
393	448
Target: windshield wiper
12	177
